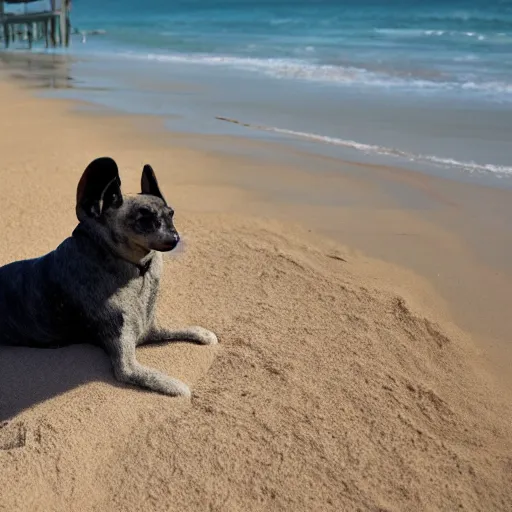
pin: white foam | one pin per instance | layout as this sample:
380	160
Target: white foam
418	33
369	149
326	73
405	32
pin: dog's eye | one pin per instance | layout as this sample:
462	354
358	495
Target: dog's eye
146	220
144	213
147	224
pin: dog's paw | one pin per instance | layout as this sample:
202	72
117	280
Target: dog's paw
174	387
203	336
184	391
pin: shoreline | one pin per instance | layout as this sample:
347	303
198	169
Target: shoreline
435	136
335	371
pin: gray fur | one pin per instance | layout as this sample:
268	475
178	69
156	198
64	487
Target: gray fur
101	284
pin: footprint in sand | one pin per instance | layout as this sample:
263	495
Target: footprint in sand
12	435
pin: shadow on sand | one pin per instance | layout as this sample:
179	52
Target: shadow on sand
30	376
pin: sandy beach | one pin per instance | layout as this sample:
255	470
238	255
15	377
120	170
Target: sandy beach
363	318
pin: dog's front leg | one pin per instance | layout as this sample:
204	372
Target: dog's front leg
127	369
194	334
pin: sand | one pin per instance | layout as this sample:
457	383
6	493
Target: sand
340	382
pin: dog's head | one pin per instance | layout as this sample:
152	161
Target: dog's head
134	225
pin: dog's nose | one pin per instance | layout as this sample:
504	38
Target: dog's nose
173	240
168	242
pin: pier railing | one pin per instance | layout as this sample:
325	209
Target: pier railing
33	20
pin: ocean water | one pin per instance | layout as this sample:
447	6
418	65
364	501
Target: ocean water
402	81
461	46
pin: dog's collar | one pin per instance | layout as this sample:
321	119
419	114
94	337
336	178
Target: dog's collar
144	267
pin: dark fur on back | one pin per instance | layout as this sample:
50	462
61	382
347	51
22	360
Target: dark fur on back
101	284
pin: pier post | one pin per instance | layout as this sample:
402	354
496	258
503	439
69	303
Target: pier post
53	31
45	33
4	24
2	18
64	36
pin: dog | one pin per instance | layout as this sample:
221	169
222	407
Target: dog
100	285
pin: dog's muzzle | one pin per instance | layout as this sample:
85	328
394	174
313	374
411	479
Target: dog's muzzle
170	243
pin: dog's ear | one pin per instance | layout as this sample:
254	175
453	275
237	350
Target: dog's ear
99	188
149	183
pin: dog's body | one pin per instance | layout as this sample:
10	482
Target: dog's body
100	285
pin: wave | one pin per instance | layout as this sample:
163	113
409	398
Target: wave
498	37
480	18
472	167
408	32
286	21
329	73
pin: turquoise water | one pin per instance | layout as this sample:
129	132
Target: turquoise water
462	46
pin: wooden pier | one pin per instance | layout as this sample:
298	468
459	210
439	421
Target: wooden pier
50	22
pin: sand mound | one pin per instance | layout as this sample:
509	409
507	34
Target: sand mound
328	392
